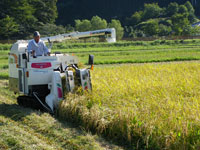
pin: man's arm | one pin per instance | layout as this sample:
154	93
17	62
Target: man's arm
30	48
46	50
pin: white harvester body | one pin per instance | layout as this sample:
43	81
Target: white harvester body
41	77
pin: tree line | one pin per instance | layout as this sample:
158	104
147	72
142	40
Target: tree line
20	18
98	23
108	9
154	20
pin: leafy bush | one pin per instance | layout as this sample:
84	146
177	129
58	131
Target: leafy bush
151	11
84	25
8	27
119	29
151	27
164	30
98	23
51	29
5	46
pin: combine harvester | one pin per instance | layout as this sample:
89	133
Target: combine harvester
39	81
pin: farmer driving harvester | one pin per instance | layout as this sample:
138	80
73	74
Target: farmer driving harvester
43	81
37	47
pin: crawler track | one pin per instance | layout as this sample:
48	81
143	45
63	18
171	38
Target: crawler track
31	102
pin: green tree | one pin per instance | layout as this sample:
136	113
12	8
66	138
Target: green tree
84	25
51	29
151	11
98	23
182	9
119	29
45	10
192	18
172	9
29	14
166	22
164	30
22	14
189	7
69	28
151	27
180	22
136	17
189	30
8	27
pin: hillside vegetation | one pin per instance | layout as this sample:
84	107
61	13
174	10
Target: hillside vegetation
108	9
19	19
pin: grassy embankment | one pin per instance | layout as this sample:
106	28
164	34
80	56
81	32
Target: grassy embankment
134	52
149	106
130	52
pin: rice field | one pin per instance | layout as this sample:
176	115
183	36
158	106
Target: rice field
148	106
139	105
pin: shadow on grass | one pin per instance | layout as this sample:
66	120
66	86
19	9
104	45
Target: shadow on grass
18	113
108	141
14	111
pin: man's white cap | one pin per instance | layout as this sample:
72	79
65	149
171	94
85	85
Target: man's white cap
36	33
